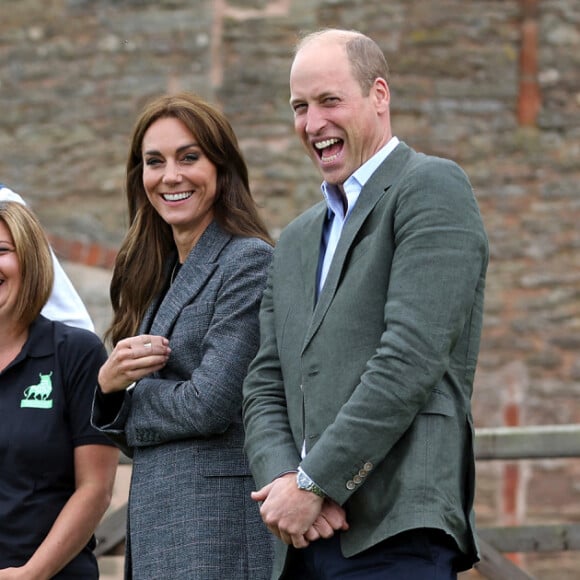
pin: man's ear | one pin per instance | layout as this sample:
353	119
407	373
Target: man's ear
381	94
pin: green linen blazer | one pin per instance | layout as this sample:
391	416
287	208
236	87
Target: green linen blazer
376	375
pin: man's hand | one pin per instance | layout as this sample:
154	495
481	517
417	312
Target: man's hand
296	516
287	511
331	519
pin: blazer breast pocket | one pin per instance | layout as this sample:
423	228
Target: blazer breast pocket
197	309
361	249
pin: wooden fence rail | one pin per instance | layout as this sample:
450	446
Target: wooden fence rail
502	443
515	443
540	442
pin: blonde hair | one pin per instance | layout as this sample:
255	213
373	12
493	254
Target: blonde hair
34	258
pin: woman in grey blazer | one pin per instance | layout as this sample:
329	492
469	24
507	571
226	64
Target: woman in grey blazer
186	290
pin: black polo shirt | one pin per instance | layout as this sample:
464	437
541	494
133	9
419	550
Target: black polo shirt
45	407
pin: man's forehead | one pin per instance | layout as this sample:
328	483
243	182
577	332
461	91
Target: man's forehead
324	73
318	59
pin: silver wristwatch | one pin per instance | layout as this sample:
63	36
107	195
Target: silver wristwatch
305	483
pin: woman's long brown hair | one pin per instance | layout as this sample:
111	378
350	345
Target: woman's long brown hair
138	275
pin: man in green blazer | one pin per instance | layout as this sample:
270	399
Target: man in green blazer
357	406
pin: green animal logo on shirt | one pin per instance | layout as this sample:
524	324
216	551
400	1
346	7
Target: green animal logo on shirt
38	396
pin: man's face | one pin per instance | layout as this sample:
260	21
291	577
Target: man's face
339	126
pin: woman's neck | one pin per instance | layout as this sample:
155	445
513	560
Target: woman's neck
186	238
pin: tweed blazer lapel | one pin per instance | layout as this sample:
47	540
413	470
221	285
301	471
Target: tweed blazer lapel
198	266
373	191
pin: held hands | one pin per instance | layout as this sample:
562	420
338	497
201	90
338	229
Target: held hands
131	360
298	517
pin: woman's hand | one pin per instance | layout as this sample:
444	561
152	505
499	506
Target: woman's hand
132	359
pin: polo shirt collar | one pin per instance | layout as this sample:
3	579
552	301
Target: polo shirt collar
40	339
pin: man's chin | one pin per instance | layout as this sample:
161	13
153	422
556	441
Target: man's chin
332	177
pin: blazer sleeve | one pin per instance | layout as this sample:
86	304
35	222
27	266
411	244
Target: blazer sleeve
109	415
164	410
437	270
269	442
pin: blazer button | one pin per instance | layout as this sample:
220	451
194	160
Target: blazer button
368	466
363	473
350	485
357	479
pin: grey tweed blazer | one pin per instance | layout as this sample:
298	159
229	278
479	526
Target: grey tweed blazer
190	512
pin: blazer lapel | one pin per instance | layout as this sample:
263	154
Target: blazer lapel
310	254
375	188
197	268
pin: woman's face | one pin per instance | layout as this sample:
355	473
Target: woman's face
180	181
10	278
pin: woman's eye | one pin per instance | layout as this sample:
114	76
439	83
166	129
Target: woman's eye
152	161
191	157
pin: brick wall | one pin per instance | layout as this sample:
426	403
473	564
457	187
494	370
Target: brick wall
493	84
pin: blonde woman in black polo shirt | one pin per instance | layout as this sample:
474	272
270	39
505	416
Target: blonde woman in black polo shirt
56	471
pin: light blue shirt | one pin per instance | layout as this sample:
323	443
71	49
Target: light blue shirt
337	216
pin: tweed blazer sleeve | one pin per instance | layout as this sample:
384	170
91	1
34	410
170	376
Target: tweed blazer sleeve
270	443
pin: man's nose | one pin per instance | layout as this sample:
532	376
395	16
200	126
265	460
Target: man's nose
315	120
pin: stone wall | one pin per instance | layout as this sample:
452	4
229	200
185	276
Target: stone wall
493	84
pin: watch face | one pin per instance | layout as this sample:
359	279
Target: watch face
306	484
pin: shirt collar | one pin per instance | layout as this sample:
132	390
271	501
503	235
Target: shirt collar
39	343
40	338
354	184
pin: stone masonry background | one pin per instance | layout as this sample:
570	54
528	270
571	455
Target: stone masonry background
493	84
